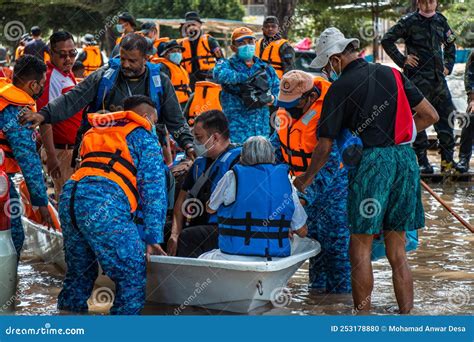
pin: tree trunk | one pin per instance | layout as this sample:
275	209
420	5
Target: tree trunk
284	11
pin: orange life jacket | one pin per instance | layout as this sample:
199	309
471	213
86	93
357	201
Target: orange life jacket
204	54
46	57
104	151
179	79
20	50
93	60
33	213
298	138
271	54
11	95
157	43
206	97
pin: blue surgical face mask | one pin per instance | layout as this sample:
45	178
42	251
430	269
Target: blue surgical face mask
176	57
333	75
120	28
246	52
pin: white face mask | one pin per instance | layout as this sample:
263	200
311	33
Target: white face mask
201	149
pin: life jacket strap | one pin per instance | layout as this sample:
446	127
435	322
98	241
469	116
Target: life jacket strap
114	158
282	225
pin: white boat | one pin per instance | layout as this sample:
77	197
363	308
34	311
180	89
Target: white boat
236	286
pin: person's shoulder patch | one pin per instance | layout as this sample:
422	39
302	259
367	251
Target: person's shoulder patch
450	36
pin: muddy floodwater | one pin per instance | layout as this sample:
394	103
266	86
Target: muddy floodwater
442	269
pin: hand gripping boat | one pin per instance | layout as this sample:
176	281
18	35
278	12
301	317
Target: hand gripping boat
236	286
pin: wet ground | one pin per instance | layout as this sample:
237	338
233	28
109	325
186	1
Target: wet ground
442	268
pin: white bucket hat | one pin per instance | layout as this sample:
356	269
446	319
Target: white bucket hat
330	42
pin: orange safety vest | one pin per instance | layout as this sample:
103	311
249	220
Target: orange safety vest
204	54
271	54
93	59
33	213
119	39
298	138
20	50
179	79
104	151
206	97
11	95
46	57
158	41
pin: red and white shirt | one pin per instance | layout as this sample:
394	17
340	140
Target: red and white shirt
58	83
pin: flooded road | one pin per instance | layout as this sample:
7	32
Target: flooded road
442	268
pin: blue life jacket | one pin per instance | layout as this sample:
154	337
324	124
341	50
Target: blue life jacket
223	164
155	88
259	220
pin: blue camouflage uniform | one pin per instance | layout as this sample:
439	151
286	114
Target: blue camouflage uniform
22	141
326	206
104	231
243	122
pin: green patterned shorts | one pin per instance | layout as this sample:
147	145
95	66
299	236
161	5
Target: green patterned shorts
385	191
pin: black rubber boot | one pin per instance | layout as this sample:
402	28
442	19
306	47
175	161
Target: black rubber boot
463	165
424	164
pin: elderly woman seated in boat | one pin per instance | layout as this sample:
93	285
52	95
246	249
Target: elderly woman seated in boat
257	206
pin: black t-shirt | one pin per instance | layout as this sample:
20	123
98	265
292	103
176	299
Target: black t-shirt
344	102
36	48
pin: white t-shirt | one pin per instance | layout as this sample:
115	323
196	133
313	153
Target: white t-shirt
224	193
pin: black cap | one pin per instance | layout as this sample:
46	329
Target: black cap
148	26
35	30
271	20
125	16
166	46
89	39
25	37
192	16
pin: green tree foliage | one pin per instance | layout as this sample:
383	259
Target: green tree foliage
354	17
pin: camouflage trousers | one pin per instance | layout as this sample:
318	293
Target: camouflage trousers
98	228
437	93
330	270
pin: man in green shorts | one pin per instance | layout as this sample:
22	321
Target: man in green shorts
374	102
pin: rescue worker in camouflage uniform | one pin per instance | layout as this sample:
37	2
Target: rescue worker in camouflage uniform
467	133
430	57
122	167
300	100
249	87
19	142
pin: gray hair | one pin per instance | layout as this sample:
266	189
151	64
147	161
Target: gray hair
257	150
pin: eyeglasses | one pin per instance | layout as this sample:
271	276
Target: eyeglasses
64	55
